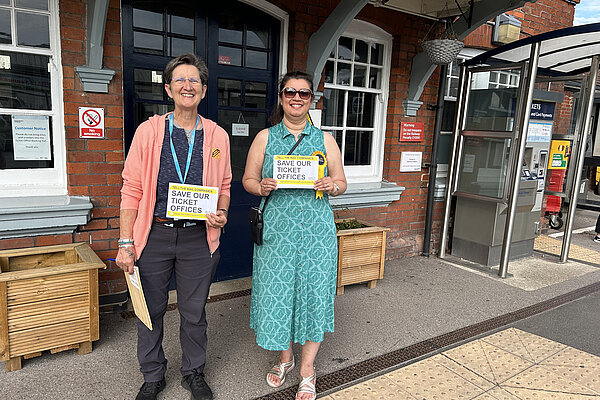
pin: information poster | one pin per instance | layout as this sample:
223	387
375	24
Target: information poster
191	201
539	132
31	137
410	161
295	172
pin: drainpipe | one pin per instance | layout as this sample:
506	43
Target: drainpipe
434	162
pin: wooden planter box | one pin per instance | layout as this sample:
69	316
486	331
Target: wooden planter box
48	301
361	255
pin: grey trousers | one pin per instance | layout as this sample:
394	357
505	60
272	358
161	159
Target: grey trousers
184	251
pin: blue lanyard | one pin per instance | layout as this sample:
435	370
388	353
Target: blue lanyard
190	149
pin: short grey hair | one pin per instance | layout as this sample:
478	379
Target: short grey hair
187	59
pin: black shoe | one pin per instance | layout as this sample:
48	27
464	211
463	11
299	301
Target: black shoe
150	390
196	384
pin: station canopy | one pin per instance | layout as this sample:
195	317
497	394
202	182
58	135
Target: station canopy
563	52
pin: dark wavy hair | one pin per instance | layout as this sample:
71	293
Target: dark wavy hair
188	59
277	114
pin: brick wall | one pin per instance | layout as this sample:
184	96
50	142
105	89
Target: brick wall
93	165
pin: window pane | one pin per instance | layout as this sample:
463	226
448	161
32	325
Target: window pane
375	76
26	148
230	92
329	65
143	111
360	76
33	30
345	49
448	116
338	135
148	84
240	144
376	53
343	74
358	148
181	25
256	95
257	36
26	85
490	109
5	27
149	18
333	107
332	54
256	59
361	51
361	109
148	43
231	29
35	4
230	56
503	78
484	162
180	46
454	68
5	2
453	87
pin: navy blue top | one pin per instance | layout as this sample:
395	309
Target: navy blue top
167	172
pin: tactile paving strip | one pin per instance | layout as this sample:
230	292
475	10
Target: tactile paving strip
378	364
546	244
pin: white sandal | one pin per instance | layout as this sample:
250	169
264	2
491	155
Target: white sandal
307	386
280	370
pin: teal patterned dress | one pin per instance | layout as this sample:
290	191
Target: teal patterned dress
295	269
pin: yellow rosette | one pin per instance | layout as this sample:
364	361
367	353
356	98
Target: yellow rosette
322	165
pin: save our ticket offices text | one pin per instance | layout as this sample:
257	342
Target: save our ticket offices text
185	201
290	169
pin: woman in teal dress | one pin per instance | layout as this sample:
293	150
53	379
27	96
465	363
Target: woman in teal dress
294	277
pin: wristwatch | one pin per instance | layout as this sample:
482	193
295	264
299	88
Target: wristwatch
224	210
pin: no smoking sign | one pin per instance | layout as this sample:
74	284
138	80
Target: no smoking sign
91	123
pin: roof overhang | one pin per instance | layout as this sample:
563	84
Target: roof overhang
434	9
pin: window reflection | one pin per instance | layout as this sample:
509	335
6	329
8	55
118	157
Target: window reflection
361	51
148	19
5	27
358	148
34	4
229	92
180	46
345	49
26	85
231	29
361	107
333	107
148	84
148	43
256	95
181	25
230	56
257	36
33	30
256	59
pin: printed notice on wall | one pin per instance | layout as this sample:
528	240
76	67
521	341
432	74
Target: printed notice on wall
295	172
410	161
31	137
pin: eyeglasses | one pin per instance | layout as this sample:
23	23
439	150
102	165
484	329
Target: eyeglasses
290	93
181	81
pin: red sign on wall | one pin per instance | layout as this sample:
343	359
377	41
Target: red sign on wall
411	131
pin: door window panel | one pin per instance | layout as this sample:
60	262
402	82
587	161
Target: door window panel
180	46
230	92
256	59
143	111
34	4
151	18
257	36
231	29
33	30
181	25
148	84
5	27
256	95
230	56
148	43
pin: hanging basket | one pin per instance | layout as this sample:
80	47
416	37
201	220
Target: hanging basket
442	51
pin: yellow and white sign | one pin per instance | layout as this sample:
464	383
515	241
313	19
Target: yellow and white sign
191	201
295	172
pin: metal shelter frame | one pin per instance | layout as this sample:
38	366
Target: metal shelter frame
571	54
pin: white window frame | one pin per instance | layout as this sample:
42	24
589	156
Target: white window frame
366	31
41	181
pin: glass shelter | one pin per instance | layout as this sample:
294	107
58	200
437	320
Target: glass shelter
514	102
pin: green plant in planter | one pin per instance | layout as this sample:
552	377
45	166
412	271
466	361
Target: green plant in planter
343	224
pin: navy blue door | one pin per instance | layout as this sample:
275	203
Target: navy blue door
240	46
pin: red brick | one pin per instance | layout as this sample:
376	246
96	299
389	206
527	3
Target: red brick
105	190
104	144
96	224
83	156
87	180
53	239
16	243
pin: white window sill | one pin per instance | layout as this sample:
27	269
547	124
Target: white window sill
42	215
364	195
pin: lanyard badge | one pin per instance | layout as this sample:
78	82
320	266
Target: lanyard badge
322	165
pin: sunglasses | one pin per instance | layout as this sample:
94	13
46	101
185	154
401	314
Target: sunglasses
290	93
